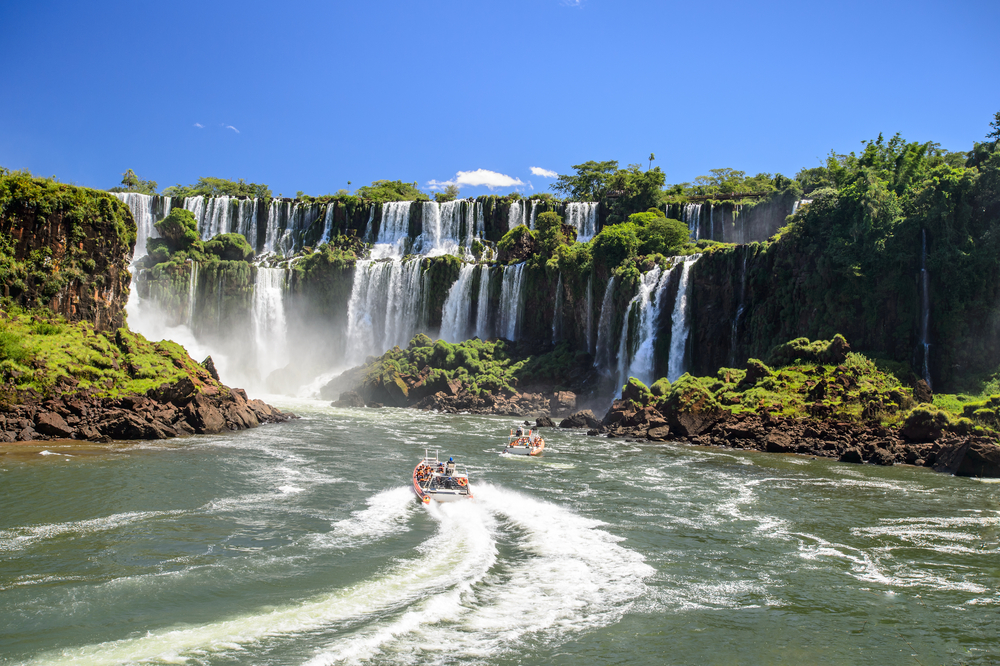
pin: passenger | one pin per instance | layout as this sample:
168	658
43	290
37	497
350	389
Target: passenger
450	469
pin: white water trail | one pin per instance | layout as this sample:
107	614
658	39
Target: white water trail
511	301
482	305
679	324
457	306
583	217
268	316
602	357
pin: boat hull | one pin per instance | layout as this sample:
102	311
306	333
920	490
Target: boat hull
524	450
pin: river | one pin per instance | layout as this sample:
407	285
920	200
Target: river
301	543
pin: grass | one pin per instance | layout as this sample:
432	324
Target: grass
40	351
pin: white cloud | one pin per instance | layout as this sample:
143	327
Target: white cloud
232	128
199	126
477	178
544	173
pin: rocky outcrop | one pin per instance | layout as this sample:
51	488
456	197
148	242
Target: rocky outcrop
70	248
170	410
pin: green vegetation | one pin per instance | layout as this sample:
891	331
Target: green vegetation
450	193
217	187
623	191
494	366
381	191
132	183
45	355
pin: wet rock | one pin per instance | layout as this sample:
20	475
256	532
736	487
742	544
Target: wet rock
52	424
852	455
971	457
544	422
209	365
349	399
659	433
179	393
582	419
204	416
27	435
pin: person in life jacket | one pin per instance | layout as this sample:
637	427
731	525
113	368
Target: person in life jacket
450	467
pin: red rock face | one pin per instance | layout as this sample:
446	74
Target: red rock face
76	267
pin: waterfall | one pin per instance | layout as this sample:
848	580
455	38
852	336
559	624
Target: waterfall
515	216
385	306
268	316
711	221
590	314
192	292
480	212
692	217
583	217
482	305
534	213
798	204
327	224
635	352
393	233
680	327
602	356
368	227
557	313
442	228
925	308
147	209
511	301
457	306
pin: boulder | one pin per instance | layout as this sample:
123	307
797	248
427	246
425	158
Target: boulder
778	441
544	422
209	365
922	392
349	399
582	419
562	403
971	457
52	424
852	455
204	416
178	393
659	433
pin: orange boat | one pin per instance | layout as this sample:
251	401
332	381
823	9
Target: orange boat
440	481
524	443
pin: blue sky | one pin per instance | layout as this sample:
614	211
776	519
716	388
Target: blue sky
309	96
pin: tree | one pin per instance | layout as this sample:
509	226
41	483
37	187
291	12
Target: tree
550	231
217	187
995	134
381	191
658	234
651	158
615	244
132	183
179	229
590	182
450	193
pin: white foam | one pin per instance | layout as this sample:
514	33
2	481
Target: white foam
20	538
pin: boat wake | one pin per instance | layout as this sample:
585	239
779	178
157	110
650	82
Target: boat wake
498	571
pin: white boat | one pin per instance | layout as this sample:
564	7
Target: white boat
440	481
524	443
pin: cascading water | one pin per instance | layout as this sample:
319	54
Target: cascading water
482	304
268	317
442	228
583	217
798	204
457	306
534	213
385	306
692	217
638	336
393	233
327	224
925	309
516	214
511	301
192	293
602	356
147	210
679	323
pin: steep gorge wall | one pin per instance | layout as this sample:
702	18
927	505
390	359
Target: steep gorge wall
66	248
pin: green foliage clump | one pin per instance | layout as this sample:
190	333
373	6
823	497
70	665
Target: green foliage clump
661	387
550	232
230	247
614	244
132	183
381	191
623	191
178	231
217	187
43	353
658	234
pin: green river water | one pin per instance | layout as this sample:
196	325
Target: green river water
302	543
